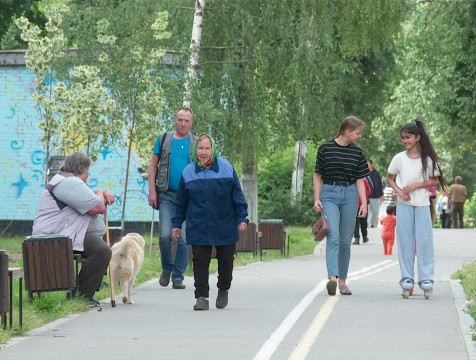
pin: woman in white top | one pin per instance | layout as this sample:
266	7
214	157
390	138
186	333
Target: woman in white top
416	169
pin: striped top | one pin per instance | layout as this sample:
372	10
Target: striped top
341	163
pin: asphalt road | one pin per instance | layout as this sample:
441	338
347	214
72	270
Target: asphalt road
278	310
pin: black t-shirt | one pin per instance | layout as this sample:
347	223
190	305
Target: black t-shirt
341	163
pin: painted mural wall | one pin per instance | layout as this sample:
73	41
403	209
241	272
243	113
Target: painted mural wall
22	158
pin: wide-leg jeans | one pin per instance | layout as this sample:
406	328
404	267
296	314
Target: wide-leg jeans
340	204
414	226
177	266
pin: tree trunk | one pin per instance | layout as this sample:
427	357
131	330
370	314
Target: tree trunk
194	50
131	138
300	151
47	159
249	184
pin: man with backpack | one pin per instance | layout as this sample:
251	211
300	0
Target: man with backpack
171	155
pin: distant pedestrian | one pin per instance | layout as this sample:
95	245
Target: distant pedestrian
389	195
338	183
416	169
361	222
457	196
389	223
443	209
376	195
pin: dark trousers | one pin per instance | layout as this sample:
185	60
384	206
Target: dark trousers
97	255
362	223
445	219
457	211
201	263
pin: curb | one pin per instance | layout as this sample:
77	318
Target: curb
465	320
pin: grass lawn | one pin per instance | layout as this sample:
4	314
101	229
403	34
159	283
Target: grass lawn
54	305
467	275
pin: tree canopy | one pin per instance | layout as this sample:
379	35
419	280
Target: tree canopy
274	72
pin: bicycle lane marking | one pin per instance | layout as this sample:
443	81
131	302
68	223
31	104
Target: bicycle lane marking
271	345
304	345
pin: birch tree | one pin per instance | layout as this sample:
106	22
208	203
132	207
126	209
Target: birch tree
194	50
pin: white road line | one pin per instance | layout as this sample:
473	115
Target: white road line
270	346
304	345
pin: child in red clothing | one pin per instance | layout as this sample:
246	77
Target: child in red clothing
389	223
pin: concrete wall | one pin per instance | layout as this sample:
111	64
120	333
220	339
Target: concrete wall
22	156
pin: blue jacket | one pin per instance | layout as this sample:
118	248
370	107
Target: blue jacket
212	203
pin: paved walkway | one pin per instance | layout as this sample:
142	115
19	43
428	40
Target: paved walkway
279	310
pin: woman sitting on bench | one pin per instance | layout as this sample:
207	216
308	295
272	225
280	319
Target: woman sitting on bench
68	206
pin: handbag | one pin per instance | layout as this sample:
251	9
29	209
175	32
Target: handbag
320	228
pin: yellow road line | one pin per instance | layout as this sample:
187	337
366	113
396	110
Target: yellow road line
309	338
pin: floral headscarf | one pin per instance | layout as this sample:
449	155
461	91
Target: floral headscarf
214	154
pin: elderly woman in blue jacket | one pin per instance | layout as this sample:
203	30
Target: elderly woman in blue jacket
211	201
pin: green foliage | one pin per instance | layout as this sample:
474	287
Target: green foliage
274	72
41	58
88	112
436	54
10	11
470	212
274	189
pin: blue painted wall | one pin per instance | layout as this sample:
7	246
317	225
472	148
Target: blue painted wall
22	158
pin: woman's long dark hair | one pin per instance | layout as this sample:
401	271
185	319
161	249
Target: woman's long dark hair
426	148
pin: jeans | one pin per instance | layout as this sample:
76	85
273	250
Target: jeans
177	266
340	204
414	227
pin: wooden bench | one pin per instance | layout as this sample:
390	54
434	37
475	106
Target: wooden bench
7	276
273	236
248	240
16	274
48	264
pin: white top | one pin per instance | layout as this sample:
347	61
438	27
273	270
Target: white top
442	204
409	171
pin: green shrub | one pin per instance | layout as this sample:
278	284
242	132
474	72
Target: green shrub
274	189
470	212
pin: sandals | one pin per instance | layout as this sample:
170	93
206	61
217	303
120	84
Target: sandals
331	287
344	290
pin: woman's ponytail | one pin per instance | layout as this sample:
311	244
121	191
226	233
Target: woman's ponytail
426	148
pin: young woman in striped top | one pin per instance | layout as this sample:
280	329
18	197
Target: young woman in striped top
338	185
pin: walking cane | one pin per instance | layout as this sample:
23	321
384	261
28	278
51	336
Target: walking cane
111	279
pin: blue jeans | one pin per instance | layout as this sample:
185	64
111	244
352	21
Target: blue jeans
340	204
414	225
177	266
